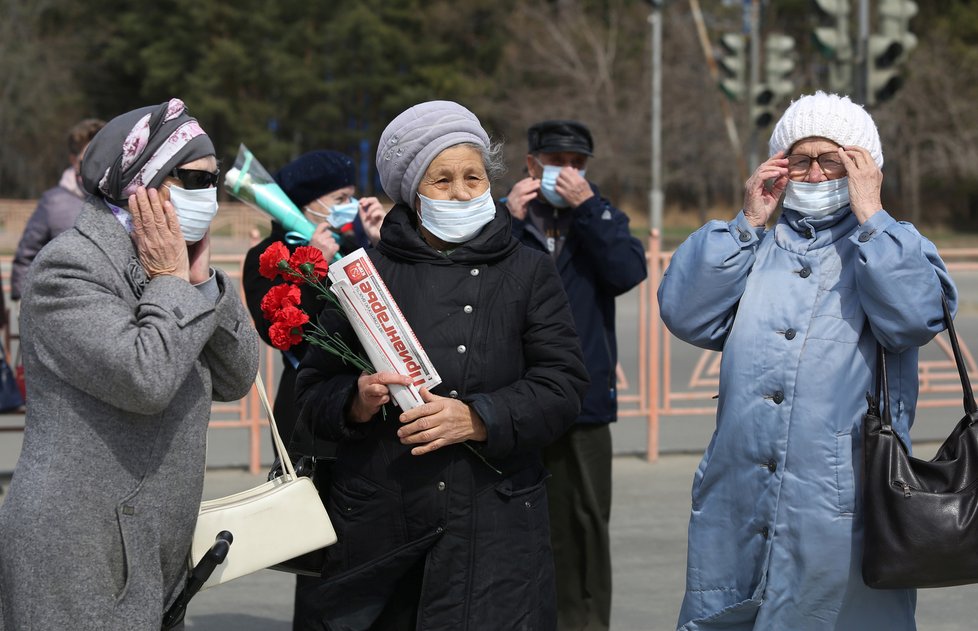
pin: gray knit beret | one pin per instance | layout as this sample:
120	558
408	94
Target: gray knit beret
416	137
827	116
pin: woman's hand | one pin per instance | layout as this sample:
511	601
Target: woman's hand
323	240
156	233
200	259
440	422
372	217
764	188
865	182
372	394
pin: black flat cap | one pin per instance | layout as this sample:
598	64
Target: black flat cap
560	135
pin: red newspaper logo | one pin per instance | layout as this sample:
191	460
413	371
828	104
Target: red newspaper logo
355	271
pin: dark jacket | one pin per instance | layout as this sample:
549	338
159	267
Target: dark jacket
56	212
481	526
255	287
599	261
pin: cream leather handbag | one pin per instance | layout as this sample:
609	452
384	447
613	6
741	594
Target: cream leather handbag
270	523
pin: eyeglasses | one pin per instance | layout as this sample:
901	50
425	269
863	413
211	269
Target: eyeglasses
830	163
193	179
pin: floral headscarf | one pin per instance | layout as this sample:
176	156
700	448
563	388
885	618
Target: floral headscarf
140	148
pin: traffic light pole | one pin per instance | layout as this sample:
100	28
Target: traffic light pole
694	7
655	191
861	74
754	80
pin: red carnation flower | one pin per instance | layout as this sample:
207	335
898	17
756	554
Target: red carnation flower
270	261
278	297
309	260
283	336
287	329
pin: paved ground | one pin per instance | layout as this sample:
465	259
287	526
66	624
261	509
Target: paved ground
648	534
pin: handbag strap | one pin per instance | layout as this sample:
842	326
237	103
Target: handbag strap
276	437
883	389
970	408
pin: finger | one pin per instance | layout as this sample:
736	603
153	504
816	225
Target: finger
430	447
171	218
388	378
847	160
422	430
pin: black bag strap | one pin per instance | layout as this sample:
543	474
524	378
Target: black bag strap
883	388
970	408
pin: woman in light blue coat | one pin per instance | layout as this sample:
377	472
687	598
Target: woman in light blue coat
775	533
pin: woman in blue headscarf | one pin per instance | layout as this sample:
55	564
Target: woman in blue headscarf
775	534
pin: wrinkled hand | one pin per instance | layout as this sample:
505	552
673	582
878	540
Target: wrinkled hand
156	233
200	259
440	422
572	187
372	217
372	394
865	182
323	240
520	195
764	188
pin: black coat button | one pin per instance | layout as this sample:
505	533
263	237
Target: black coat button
864	237
765	532
805	272
778	397
772	465
789	334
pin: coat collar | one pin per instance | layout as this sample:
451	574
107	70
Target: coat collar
801	234
98	224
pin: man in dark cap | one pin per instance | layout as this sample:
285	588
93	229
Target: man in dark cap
322	184
555	209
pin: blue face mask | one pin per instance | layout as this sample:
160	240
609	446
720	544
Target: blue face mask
548	185
337	215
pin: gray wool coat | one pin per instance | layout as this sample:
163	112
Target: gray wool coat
96	528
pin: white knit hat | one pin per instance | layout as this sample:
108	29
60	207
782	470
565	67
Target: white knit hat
827	116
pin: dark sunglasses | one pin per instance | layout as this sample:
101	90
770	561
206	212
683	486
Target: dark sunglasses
193	180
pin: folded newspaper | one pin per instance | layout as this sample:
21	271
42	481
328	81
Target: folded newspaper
385	334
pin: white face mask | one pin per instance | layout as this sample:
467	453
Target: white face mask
195	210
457	222
337	215
819	199
548	185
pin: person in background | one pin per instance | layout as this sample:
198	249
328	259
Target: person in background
58	207
776	530
322	184
440	510
557	211
128	336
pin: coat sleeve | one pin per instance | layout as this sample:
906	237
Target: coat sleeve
85	331
325	385
900	278
231	352
536	409
617	257
35	235
702	286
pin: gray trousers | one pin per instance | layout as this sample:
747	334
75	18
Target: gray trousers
580	507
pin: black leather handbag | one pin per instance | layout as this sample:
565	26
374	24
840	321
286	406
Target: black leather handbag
921	516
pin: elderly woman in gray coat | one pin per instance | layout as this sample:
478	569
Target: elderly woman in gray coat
128	335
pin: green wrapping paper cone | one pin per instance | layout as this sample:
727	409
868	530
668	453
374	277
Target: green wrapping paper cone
248	181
